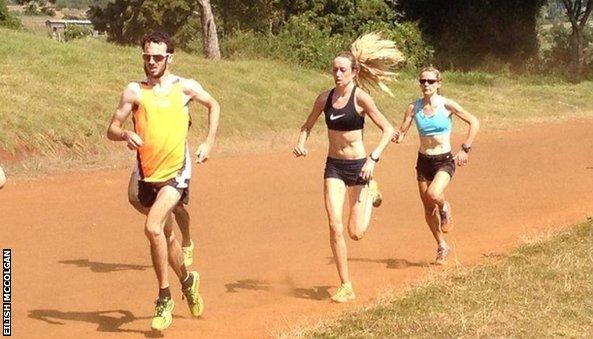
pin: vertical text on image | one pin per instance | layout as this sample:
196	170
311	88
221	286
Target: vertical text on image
6	292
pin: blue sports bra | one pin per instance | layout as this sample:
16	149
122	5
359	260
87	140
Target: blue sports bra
345	118
435	124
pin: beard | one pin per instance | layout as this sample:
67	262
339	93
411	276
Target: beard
156	76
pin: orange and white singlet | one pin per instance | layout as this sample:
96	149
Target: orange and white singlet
161	119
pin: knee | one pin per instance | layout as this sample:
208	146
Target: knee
336	231
153	230
433	196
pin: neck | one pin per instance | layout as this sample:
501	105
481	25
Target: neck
341	90
430	97
162	80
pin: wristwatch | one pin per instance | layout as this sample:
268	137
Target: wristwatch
374	159
466	148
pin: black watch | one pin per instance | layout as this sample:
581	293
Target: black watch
466	148
371	157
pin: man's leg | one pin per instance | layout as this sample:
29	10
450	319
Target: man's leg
182	217
166	200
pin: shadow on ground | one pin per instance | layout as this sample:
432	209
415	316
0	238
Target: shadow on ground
101	267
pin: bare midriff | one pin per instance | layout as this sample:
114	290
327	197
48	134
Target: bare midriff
435	144
346	145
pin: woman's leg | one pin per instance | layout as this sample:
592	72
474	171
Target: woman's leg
436	193
334	193
361	207
430	212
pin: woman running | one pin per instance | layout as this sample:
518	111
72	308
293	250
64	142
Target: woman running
436	165
349	168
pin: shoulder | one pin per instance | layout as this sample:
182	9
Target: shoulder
190	85
362	97
323	97
132	90
449	104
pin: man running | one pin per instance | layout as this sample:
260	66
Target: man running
159	108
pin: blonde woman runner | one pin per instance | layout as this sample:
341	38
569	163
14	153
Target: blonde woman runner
349	168
435	165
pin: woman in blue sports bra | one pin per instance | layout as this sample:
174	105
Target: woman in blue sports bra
435	166
349	168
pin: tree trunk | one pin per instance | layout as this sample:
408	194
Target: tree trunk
209	35
577	54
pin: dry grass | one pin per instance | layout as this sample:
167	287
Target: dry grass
543	289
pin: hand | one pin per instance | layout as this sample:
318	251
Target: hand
398	136
300	151
203	152
367	170
132	140
461	158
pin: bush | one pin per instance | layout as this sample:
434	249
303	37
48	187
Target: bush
302	42
72	32
555	55
7	19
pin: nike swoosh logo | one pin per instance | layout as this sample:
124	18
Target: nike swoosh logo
332	117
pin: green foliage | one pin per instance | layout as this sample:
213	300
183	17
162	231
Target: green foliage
556	58
127	21
466	32
72	32
323	28
7	19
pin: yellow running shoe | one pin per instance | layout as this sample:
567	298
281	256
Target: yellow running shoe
188	254
375	193
344	293
163	316
192	294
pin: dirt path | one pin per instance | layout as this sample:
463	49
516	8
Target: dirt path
81	265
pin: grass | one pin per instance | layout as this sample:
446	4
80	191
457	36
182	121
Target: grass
57	98
542	289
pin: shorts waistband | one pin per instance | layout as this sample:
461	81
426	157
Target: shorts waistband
441	156
345	161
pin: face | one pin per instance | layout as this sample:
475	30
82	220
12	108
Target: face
156	59
342	71
429	83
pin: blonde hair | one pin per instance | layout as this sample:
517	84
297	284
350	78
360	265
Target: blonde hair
433	70
373	56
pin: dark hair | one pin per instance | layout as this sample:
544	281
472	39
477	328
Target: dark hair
159	37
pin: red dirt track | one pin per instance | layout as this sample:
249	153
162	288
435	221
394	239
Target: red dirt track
81	263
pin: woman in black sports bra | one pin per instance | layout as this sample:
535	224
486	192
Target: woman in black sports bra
349	168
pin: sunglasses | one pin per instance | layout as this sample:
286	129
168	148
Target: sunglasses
427	81
155	57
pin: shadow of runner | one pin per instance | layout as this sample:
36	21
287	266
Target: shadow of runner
105	322
315	293
390	263
101	267
248	284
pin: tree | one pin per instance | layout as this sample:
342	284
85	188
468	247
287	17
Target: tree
578	13
466	33
127	21
209	34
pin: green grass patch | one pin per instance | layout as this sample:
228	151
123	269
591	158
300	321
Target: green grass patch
56	98
542	289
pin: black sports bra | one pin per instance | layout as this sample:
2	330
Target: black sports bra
345	118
